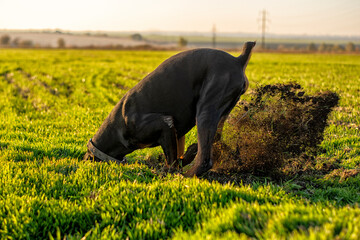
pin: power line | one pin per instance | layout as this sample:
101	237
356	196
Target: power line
264	20
214	36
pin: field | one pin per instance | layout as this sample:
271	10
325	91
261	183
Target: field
53	101
50	40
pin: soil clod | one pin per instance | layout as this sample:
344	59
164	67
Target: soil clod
279	129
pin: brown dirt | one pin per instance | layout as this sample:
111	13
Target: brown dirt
279	130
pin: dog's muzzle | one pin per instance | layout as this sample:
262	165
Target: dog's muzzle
101	155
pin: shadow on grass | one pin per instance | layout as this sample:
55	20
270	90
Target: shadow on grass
3	146
27	153
330	184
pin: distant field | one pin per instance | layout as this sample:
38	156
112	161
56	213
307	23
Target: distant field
232	42
39	39
240	40
50	39
53	101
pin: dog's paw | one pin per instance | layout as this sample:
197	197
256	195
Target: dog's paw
189	174
197	170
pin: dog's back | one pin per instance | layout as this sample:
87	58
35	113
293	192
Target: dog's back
175	86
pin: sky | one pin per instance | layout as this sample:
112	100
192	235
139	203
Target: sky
298	17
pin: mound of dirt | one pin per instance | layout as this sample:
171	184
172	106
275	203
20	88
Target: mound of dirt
280	128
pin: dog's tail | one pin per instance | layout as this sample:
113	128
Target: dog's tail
246	53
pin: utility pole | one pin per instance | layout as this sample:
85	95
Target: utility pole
263	28
214	36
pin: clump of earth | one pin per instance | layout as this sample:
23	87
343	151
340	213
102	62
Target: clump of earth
280	128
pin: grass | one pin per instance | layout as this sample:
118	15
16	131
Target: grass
53	101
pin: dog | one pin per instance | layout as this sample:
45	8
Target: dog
195	87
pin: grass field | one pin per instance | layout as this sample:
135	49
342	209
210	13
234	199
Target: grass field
53	101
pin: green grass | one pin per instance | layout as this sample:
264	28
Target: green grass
53	101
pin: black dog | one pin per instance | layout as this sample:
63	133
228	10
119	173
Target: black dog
199	87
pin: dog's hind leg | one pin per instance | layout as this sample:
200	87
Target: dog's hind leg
192	150
206	124
190	154
214	104
220	128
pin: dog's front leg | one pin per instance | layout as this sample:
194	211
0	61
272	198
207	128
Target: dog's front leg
169	143
162	127
181	147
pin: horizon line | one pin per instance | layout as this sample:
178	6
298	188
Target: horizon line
178	32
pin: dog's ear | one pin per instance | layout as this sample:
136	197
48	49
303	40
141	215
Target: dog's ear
246	53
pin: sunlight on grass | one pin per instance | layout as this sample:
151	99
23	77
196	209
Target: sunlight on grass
53	102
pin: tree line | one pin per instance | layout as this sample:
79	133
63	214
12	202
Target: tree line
323	47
